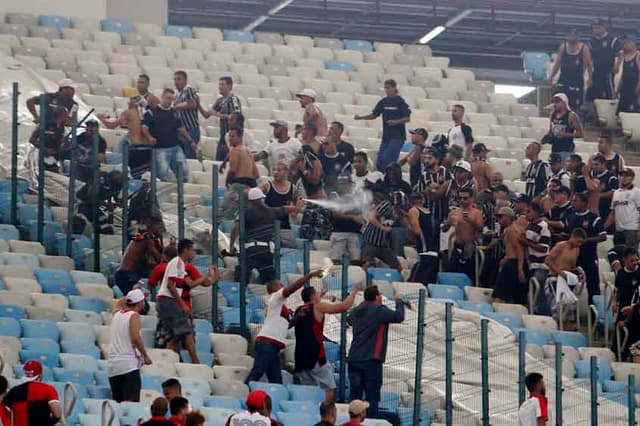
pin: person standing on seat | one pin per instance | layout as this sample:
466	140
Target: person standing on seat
84	153
534	411
33	402
460	134
313	115
564	126
62	98
395	114
613	161
511	285
537	173
625	210
186	104
427	233
629	87
279	192
272	338
311	366
603	53
573	60
370	324
126	350
282	148
222	108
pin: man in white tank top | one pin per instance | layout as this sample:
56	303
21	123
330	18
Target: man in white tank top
126	350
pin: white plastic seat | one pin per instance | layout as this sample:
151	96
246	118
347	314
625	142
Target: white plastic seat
159	368
92	67
228	343
194	371
478	294
509	308
56	262
22	285
506	131
31	247
291	83
321	53
230	372
233	47
511	169
167	52
13	298
115	81
235	388
17	271
299	72
513	120
503	98
540	322
410	60
442	93
437	61
279	93
314	63
211	34
353	56
469	106
494	142
198	44
77	34
100	291
622	371
535	133
630	123
113	39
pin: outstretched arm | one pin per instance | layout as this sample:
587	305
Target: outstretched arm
292	288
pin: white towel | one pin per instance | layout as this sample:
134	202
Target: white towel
564	294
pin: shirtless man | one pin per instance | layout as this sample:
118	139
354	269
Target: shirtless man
482	171
564	257
467	212
134	264
512	265
242	169
467	221
312	113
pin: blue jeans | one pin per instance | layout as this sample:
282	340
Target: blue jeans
366	377
189	152
388	153
266	361
169	158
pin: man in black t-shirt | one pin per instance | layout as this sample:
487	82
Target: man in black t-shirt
607	182
395	113
84	153
334	162
62	98
558	213
581	217
53	138
345	149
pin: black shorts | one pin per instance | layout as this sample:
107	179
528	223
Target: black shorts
386	254
508	286
126	387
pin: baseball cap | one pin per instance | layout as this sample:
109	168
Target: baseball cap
307	92
357	406
628	171
554	157
562	97
420	131
256	399
135	296
32	370
464	165
506	211
479	147
280	123
255	194
66	82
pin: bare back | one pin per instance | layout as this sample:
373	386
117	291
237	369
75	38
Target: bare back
131	119
565	257
135	255
241	163
482	174
513	242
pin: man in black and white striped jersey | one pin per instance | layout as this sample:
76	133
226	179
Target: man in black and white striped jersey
537	173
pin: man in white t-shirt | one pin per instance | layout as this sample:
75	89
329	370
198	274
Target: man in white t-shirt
534	411
460	134
360	170
625	209
273	336
258	410
283	148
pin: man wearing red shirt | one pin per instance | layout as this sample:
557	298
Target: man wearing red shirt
159	409
179	410
357	413
535	410
5	416
33	403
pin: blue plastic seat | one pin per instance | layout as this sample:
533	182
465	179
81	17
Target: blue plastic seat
614	386
87	277
228	402
13	311
535	64
598	302
56	281
583	369
10	327
276	391
203	343
23	186
239	36
77	332
50	230
307	407
54	21
9	232
230	317
297	419
442	291
206	358
23	259
535	336
361	45
339	65
39	329
113	158
136	410
94	406
202	326
101	377
75	375
306	393
29	212
389	401
407	147
454	278
50	360
482	308
87	303
46	346
153	382
79	348
512	321
95	391
257	316
569	338
89	317
335	283
231	291
78	244
181	31
406	416
120	26
384	274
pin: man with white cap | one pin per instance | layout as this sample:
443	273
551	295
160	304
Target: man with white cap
259	220
283	148
312	113
126	349
357	412
564	126
33	402
63	97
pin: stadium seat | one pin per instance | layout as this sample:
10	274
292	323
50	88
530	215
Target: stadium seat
230	372
56	262
88	317
478	294
361	45
569	338
275	391
441	291
306	393
297	419
14	299
73	375
10	327
80	348
603	354
583	370
454	278
39	329
181	31
9	232
227	402
238	36
120	26
135	410
225	387
194	371
86	303
77	332
13	312
482	308
540	322
534	336
22	285
535	64
56	281
88	277
384	274
52	301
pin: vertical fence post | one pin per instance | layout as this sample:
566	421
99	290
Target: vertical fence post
41	151
417	383
448	365
484	362
344	285
214	244
154	180
558	367
521	367
242	260
180	184
631	399
71	195
125	194
594	390
276	248
306	266
14	154
95	203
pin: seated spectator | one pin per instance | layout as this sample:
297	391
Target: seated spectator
179	409
328	414
159	409
360	170
258	411
195	418
357	413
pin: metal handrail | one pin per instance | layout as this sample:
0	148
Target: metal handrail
107	405
69	403
534	291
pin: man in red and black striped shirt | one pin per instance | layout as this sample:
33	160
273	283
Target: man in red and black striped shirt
33	403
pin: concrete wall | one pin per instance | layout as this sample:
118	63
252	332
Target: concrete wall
151	11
